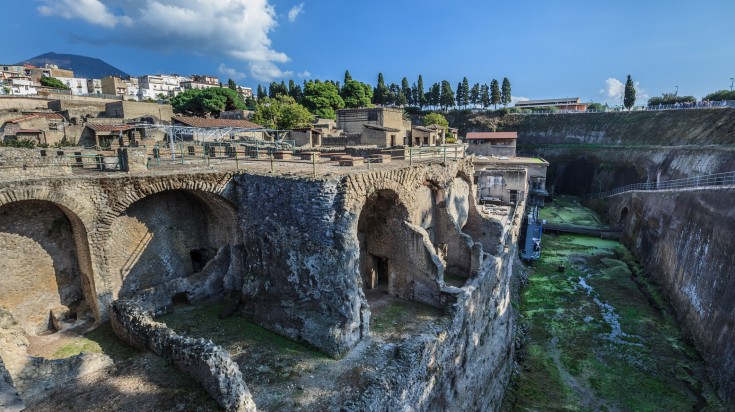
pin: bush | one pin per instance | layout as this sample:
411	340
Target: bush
23	143
720	95
670	98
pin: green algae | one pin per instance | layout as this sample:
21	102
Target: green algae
600	336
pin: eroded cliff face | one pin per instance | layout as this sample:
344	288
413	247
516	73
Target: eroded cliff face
684	240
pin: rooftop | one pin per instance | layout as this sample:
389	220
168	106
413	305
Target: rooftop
491	135
205	122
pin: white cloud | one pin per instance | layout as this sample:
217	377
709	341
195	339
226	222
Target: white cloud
304	74
231	73
267	71
238	29
614	89
516	99
294	12
91	11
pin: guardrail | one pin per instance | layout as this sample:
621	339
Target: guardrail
717	179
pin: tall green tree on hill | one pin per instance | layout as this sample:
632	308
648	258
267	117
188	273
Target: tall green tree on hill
505	95
261	93
281	113
629	94
494	93
465	92
421	96
459	95
231	84
204	102
446	98
475	95
295	91
347	78
381	92
406	89
485	96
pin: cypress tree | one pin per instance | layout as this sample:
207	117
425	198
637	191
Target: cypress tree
629	97
505	95
494	93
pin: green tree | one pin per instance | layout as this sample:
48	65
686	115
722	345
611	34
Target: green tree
357	94
294	90
381	93
505	94
495	93
406	90
231	84
281	113
421	100
596	107
446	98
436	94
475	95
720	95
210	101
629	95
465	92
485	96
322	99
460	94
261	92
347	78
53	83
434	118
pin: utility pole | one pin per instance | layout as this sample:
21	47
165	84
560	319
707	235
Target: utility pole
676	92
732	80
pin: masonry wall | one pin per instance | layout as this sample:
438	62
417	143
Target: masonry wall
132	110
684	240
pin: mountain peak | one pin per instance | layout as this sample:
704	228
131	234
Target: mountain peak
83	66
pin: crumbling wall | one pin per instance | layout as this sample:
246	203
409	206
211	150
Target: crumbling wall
684	240
207	363
25	163
40	268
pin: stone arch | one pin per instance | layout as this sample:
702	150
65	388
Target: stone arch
53	270
396	256
173	243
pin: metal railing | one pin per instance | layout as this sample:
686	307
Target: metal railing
676	106
713	180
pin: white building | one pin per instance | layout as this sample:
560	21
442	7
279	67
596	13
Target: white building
150	86
21	87
77	85
94	86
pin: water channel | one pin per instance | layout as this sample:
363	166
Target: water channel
598	335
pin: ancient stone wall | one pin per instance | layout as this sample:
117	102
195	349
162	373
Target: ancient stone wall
207	363
684	240
25	163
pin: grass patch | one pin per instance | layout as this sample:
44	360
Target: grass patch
75	347
649	367
399	315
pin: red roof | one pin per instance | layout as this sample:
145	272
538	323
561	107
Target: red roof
98	127
50	116
491	135
205	122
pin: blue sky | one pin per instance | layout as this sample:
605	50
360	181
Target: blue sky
562	48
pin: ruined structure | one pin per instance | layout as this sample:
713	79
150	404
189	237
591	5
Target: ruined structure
303	257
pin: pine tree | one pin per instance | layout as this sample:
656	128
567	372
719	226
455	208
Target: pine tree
495	93
406	89
348	77
505	96
261	93
460	96
446	98
381	92
421	98
465	92
629	97
485	96
475	95
231	84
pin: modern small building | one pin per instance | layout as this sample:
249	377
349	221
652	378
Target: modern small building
77	85
500	144
564	103
114	86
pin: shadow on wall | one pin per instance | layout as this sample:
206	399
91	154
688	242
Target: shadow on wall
175	244
42	266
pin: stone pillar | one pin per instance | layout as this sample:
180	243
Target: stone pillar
133	159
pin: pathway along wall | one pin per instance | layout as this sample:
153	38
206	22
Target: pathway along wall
685	242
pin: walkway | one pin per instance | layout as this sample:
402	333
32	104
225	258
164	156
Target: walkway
713	181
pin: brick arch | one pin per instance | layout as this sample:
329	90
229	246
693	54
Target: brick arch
136	191
71	207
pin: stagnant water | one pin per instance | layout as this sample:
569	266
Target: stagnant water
599	335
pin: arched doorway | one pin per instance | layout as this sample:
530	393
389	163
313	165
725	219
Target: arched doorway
174	244
46	281
623	217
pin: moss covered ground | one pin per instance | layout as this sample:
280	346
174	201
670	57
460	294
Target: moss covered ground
600	336
567	210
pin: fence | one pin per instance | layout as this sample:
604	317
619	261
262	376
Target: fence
678	106
717	179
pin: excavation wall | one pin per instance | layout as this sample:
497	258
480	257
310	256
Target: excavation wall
684	240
